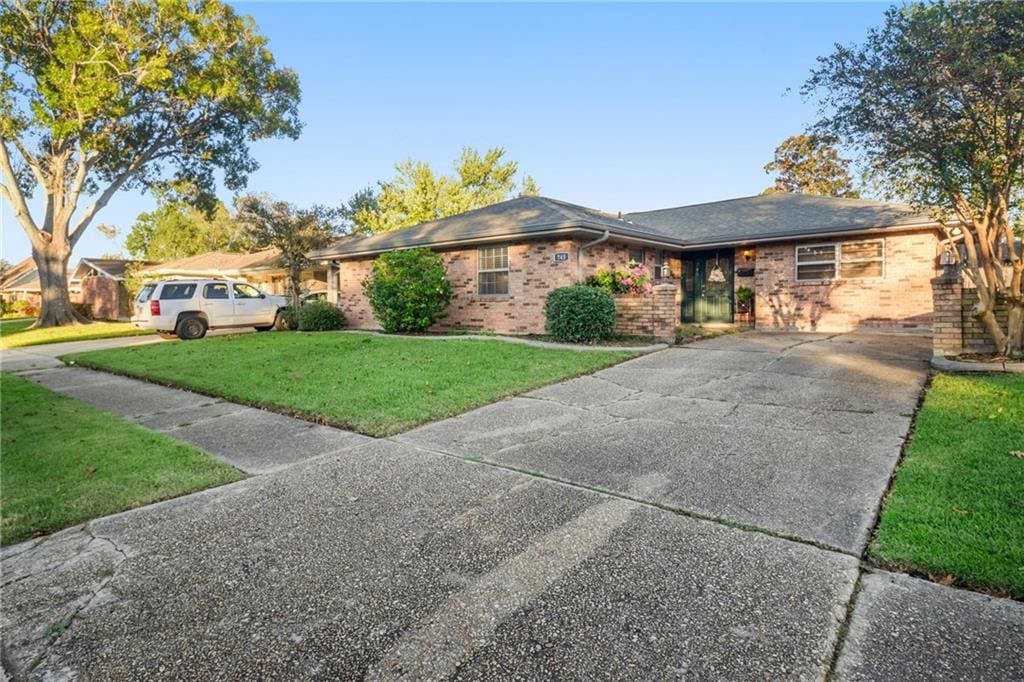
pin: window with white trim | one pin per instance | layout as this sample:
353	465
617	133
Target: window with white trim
658	266
492	270
846	260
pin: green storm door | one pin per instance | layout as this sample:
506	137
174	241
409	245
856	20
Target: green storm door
707	286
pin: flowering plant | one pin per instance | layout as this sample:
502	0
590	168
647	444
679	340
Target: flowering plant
635	281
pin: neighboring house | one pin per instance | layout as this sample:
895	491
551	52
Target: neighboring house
814	263
263	268
97	282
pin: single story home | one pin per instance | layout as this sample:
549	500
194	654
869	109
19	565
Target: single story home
813	263
262	268
96	282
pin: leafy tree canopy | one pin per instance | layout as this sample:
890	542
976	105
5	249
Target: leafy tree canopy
416	194
935	101
810	164
291	230
102	95
178	229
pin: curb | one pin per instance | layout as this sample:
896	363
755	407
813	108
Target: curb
958	367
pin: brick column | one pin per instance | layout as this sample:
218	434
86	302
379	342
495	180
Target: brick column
655	315
332	282
947	321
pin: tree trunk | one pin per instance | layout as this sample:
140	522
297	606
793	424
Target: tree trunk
1015	329
55	307
295	276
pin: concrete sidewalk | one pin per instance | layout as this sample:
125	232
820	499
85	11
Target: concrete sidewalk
408	558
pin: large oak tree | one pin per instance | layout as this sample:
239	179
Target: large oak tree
935	101
97	96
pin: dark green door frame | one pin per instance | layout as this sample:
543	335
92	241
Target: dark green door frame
707	284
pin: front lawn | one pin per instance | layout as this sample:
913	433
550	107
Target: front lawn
956	508
65	462
371	384
15	333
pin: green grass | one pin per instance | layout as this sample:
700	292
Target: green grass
15	333
65	462
956	508
371	384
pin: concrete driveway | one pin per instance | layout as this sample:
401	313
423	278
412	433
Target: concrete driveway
794	434
713	503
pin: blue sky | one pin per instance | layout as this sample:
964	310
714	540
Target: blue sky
618	107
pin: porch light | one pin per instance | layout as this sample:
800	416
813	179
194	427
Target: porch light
946	257
748	254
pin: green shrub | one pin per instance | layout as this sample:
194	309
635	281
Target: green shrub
408	290
290	318
636	280
320	316
580	314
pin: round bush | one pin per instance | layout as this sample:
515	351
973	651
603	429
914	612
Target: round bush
320	316
408	290
580	314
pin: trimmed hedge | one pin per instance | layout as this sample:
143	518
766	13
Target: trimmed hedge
408	290
320	316
580	314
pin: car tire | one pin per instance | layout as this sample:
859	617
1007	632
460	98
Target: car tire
167	335
191	327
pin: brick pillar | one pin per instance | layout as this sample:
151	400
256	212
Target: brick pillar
947	322
332	282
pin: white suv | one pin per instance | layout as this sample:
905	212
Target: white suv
186	308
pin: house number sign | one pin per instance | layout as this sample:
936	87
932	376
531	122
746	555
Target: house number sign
561	256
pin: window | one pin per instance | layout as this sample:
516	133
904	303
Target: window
492	270
246	291
218	291
636	257
861	259
848	260
659	268
145	293
177	292
816	262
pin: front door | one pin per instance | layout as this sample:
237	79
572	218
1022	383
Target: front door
707	283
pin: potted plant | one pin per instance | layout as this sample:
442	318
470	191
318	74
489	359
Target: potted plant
744	300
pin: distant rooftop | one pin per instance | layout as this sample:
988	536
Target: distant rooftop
220	262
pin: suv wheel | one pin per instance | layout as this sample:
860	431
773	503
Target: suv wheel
191	327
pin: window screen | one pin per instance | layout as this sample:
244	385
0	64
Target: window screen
492	270
816	262
862	259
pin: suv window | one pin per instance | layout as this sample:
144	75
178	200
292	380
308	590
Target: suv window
172	292
216	291
145	293
245	291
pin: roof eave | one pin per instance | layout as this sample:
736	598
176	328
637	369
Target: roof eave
817	234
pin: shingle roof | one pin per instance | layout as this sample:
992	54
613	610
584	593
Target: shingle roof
113	267
518	217
220	262
733	221
773	216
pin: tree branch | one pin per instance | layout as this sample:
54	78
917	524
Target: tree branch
11	192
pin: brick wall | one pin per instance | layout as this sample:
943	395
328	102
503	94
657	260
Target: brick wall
655	315
901	298
107	298
947	321
975	338
533	272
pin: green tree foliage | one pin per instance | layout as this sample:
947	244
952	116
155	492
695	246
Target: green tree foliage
416	194
935	101
178	229
580	314
102	95
408	290
810	164
292	231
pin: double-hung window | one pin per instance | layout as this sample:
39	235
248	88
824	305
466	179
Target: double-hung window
492	270
846	260
636	257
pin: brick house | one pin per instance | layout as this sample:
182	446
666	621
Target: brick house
813	263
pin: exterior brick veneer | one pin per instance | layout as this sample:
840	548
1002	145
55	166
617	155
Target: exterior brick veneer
901	298
533	272
656	315
955	329
106	297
